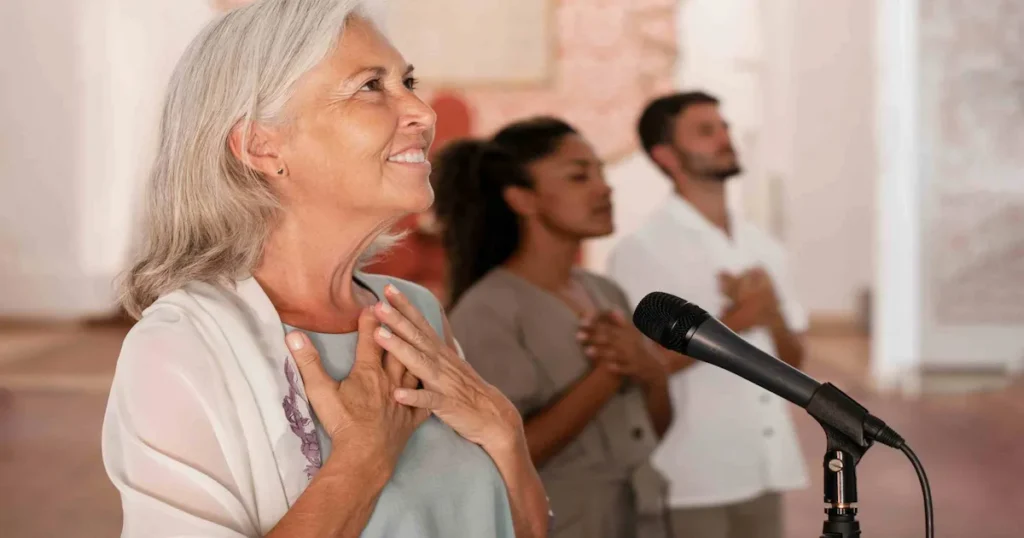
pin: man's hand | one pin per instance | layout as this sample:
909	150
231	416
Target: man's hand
753	300
755	304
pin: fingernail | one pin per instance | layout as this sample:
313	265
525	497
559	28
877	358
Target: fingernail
581	335
296	341
390	289
591	350
384	332
401	394
385	308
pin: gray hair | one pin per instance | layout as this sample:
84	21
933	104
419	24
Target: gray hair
207	215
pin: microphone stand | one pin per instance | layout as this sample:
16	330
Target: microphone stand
849	431
840	487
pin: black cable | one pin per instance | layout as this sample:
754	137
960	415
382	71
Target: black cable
929	517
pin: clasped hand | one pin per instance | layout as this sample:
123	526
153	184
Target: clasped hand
752	297
379	405
613	343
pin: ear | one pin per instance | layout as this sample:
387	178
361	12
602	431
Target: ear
523	201
260	150
665	158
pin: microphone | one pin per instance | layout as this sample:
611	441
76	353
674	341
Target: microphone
686	328
850	430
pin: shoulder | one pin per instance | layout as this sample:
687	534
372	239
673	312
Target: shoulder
607	287
182	328
163	325
645	240
165	348
630	256
601	281
170	322
640	235
493	296
639	254
629	245
659	221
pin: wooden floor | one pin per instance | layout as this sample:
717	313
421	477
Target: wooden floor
53	384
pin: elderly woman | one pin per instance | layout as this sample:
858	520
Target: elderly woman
291	139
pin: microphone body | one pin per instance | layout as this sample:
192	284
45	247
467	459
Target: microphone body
686	328
712	342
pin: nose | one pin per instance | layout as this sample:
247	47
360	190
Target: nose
724	140
417	115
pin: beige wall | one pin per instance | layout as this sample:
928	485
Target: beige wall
950	271
40	104
972	125
83	99
828	198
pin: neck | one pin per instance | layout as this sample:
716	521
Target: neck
707	195
309	277
544	258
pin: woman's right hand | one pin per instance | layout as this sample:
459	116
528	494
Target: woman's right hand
612	342
360	412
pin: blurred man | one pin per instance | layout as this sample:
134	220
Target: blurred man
732	448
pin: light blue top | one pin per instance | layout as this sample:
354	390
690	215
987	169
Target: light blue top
443	486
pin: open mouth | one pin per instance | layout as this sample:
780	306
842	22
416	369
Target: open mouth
412	156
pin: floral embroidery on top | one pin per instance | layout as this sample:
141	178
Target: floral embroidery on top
299	423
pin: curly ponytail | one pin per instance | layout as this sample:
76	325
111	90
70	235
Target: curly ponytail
480	229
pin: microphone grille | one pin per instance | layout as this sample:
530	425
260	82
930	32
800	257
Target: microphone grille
666	319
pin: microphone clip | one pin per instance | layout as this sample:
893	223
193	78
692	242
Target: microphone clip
850	431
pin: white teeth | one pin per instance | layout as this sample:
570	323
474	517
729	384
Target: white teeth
411	156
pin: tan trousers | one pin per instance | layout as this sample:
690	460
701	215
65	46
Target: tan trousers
756	518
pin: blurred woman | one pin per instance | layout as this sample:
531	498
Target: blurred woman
554	338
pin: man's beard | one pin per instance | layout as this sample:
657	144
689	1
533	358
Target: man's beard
723	174
693	165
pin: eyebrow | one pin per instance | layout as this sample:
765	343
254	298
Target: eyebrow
381	71
586	162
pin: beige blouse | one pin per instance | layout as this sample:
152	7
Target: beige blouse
522	339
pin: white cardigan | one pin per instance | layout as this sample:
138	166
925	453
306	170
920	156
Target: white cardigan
205	367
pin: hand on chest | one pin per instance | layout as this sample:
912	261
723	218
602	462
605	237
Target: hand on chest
729	275
714	280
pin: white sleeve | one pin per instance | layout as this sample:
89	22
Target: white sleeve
628	267
172	444
638	269
797	319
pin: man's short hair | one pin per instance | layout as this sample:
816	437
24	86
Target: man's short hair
659	116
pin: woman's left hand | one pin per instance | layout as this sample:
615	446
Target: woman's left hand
611	341
452	390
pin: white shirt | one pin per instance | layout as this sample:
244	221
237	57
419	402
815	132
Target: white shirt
730	440
208	431
198	435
